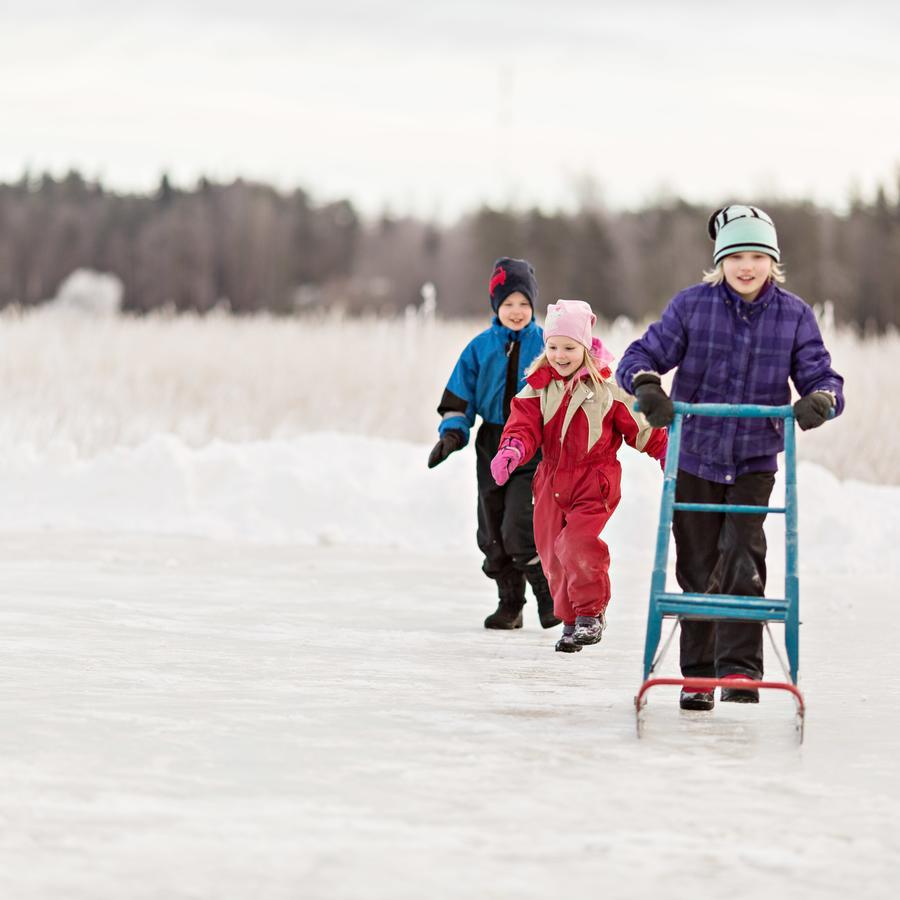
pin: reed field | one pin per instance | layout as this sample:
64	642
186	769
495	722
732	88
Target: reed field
76	384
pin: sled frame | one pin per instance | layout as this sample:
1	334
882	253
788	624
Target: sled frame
681	606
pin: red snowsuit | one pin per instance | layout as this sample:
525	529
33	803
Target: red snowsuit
577	485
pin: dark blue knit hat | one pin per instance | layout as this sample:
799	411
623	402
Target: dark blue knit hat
511	275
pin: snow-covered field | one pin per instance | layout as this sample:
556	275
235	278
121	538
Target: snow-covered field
75	385
242	652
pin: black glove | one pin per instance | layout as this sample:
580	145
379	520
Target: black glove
653	401
812	410
451	440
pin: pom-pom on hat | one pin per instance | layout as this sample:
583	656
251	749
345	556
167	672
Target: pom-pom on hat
737	228
511	275
569	318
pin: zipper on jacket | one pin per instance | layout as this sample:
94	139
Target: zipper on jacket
511	388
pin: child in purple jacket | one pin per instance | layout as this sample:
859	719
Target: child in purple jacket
735	338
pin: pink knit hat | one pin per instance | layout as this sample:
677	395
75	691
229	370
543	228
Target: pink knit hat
569	318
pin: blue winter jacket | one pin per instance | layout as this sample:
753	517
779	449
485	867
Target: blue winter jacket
478	383
730	351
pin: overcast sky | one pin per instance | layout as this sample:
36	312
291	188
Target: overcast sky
436	108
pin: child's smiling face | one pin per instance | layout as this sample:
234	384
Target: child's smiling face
747	272
565	354
515	311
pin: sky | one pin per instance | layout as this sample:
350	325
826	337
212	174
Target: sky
434	109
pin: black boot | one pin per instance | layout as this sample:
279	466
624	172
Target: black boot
508	614
740	695
697	700
536	578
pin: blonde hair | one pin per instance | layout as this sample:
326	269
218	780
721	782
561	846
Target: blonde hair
717	275
587	362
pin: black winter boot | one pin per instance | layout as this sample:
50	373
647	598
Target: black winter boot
508	614
740	695
697	700
538	581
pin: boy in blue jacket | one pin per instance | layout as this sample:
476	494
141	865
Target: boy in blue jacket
735	338
489	373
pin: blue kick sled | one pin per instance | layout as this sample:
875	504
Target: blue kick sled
681	606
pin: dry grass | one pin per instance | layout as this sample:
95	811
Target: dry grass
76	385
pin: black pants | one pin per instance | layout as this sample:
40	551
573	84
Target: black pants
505	529
721	554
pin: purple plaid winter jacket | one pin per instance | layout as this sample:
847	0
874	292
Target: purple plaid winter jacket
731	351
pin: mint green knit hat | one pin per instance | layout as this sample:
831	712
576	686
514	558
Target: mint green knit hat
736	228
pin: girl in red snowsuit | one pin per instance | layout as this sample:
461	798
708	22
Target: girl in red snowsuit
572	407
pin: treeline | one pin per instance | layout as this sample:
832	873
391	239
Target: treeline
248	247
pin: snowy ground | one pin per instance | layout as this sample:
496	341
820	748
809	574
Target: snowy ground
318	713
241	654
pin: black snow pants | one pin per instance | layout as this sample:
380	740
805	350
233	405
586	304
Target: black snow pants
505	529
721	554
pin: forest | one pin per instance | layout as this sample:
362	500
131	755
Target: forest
247	247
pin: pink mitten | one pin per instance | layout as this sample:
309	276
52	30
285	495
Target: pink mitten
508	457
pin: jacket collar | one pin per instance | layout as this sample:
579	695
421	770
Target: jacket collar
507	334
765	295
540	378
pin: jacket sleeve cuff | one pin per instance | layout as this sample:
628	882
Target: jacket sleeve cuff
640	378
454	422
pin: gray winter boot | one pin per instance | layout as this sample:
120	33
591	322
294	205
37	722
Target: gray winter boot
566	643
538	581
508	614
589	629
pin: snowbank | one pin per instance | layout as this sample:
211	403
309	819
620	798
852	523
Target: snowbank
330	488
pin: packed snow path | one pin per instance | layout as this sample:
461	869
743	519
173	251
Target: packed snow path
185	718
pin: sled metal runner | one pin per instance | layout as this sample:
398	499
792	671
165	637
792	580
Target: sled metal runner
680	606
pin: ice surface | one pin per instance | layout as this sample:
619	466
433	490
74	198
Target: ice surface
258	670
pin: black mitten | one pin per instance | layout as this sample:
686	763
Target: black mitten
451	440
812	410
653	401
